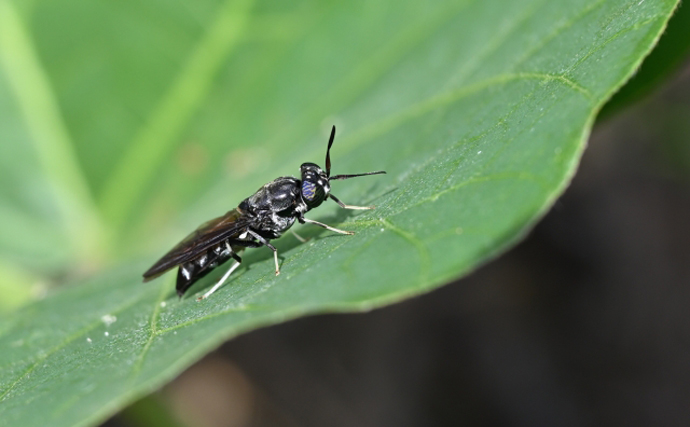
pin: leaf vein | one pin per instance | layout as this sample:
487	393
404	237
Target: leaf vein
425	259
153	328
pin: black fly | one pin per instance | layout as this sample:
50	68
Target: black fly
259	219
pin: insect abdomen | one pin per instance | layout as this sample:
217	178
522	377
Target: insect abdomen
190	272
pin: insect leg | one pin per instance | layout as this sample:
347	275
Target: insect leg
327	227
222	280
300	238
344	206
270	246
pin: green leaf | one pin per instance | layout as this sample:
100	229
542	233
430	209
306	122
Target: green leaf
176	111
667	58
53	152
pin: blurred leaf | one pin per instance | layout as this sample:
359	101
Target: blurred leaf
17	287
53	152
668	56
479	111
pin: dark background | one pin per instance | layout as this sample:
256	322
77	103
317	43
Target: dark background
586	322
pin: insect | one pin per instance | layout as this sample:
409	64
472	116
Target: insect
260	218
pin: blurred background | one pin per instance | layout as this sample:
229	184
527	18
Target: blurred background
586	322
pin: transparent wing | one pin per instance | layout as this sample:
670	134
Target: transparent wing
208	234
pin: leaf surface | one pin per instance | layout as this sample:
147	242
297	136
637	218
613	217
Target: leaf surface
173	112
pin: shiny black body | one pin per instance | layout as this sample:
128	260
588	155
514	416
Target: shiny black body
258	219
274	208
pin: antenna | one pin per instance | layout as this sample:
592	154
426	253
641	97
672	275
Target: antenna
336	177
328	152
328	163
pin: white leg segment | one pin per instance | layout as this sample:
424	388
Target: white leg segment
361	208
327	227
270	246
300	238
275	258
220	282
345	206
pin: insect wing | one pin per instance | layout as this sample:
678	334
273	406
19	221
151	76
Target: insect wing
207	235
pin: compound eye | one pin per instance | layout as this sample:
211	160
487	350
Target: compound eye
312	193
308	191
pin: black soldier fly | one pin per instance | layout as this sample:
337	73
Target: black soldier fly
260	218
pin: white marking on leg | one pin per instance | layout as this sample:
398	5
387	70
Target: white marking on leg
346	206
220	282
275	258
360	208
327	227
267	243
300	238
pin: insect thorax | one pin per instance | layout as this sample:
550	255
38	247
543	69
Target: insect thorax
278	195
275	206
